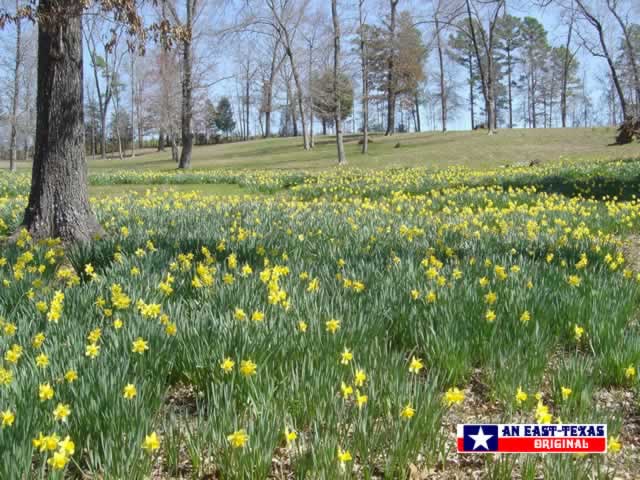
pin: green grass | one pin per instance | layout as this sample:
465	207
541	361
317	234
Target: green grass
431	149
472	149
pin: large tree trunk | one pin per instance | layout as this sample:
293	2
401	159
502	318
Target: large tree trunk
391	89
187	93
13	148
342	160
59	202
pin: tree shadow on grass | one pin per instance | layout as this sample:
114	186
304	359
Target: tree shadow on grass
598	187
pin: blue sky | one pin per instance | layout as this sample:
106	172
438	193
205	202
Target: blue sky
592	69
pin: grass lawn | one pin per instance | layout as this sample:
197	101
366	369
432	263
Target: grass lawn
431	149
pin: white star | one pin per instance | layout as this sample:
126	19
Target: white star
480	439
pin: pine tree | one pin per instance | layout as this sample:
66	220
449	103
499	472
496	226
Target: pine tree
224	116
509	42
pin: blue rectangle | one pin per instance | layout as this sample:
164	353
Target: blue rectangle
480	438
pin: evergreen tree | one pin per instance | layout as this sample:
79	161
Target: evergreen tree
535	51
461	51
210	116
224	116
509	41
323	96
409	55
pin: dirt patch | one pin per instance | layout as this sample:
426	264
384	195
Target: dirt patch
631	251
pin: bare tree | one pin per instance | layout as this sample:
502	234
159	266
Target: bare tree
15	97
483	43
285	22
364	66
191	11
391	91
268	82
106	58
443	91
593	20
248	71
567	61
314	26
630	50
342	160
133	103
142	73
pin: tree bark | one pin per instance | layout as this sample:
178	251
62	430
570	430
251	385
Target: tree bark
391	90
13	148
161	140
273	72
187	92
133	106
566	66
296	79
268	93
310	97
471	93
509	93
365	80
163	79
175	155
417	120
59	202
342	160
247	104
443	94
534	101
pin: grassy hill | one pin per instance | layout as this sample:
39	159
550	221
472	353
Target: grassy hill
431	149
